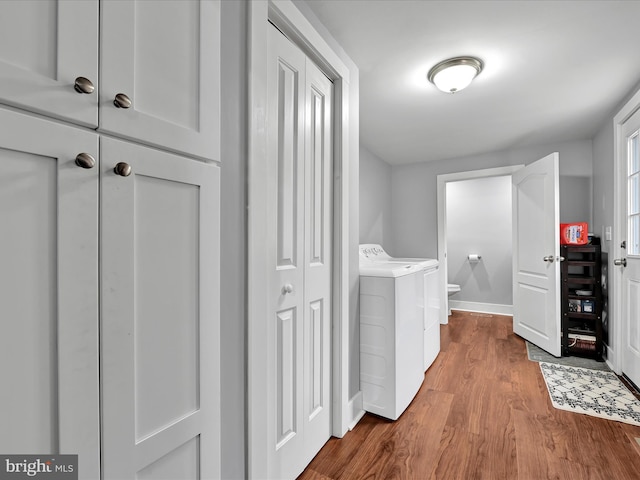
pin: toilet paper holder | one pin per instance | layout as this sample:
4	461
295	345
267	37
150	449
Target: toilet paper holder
474	258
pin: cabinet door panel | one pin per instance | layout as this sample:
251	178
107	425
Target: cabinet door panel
44	46
159	324
48	291
164	55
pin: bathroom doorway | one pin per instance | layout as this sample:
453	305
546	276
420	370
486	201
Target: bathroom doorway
474	239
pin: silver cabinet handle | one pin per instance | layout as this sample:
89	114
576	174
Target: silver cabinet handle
288	288
83	85
560	259
548	258
85	160
122	169
122	101
620	261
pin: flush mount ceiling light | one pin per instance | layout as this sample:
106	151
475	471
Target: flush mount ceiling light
454	74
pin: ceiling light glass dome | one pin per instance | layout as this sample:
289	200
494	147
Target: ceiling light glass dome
454	74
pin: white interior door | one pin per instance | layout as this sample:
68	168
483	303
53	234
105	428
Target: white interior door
629	258
160	355
536	253
299	252
48	291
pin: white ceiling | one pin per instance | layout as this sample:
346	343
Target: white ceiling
554	71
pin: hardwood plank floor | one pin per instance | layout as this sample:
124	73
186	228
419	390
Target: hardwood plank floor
483	412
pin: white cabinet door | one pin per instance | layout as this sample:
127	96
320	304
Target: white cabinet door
164	56
159	315
44	47
48	291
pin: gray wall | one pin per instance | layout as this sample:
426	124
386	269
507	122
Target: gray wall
233	328
575	200
603	166
375	199
603	207
479	222
414	190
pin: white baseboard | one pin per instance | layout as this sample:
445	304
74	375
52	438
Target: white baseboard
609	356
356	412
481	307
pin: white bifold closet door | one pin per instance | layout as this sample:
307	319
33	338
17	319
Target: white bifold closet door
299	251
159	319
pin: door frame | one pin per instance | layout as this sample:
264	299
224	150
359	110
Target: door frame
617	322
442	181
286	16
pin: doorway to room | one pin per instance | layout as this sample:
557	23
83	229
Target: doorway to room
474	218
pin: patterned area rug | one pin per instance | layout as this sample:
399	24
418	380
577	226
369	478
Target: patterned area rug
592	392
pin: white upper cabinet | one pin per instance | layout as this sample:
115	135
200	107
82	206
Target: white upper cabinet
162	57
44	48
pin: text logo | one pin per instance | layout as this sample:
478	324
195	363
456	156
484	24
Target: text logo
49	467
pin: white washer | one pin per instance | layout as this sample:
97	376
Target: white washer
429	300
391	340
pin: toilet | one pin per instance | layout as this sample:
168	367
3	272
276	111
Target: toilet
452	288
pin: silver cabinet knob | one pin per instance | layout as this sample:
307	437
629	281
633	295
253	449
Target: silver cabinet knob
548	258
122	169
83	85
288	288
620	261
122	101
85	160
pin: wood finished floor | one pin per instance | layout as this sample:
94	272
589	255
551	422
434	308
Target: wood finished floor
483	412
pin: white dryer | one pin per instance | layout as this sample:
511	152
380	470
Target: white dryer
391	340
428	299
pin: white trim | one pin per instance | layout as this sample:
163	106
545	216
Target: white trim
494	308
615	351
442	221
356	411
289	19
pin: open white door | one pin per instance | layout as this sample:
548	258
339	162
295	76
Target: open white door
536	254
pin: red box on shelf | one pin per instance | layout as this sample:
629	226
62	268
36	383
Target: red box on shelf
574	233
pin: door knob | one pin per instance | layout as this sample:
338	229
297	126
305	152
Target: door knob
548	258
620	261
288	288
122	101
83	85
85	160
122	169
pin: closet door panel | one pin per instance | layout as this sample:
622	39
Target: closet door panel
44	47
160	320
318	233
164	55
48	291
